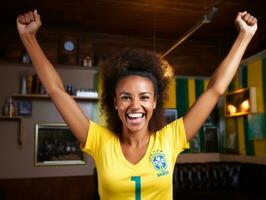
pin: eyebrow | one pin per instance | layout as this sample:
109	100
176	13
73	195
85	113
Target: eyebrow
127	93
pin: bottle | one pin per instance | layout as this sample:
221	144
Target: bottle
11	107
26	58
6	109
87	61
23	87
29	80
69	89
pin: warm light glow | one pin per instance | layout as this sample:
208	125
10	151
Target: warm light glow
168	69
244	106
231	109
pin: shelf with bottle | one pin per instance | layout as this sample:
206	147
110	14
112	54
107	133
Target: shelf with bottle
92	68
10	113
32	88
46	97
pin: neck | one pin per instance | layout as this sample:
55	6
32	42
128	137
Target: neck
135	139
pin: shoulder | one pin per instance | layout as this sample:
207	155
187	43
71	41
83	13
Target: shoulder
176	125
99	130
174	135
97	137
174	131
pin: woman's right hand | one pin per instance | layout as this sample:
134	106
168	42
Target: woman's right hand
29	23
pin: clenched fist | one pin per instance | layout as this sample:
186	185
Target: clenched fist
246	23
28	23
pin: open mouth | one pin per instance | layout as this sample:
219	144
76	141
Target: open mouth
135	118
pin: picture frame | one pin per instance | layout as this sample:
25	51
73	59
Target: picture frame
24	107
56	145
170	115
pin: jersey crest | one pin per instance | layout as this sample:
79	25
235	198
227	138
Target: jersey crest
159	163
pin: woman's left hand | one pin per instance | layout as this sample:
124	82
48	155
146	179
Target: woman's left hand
246	23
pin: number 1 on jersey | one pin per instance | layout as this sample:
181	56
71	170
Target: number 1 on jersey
137	187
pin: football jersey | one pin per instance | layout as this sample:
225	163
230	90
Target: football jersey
150	178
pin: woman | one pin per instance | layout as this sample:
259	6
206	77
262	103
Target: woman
134	156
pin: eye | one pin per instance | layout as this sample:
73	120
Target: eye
144	97
125	97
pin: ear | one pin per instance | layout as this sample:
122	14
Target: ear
115	102
154	104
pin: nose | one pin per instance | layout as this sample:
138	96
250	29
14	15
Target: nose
135	104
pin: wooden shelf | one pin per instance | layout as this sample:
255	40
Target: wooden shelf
16	118
46	97
10	118
36	97
57	66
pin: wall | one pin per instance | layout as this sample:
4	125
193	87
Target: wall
189	58
183	92
18	161
186	59
188	90
251	73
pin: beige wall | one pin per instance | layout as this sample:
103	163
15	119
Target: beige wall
18	161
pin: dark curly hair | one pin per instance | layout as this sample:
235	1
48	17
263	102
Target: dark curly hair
133	62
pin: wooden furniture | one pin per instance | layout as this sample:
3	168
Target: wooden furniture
36	97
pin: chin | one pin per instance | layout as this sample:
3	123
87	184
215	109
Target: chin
136	128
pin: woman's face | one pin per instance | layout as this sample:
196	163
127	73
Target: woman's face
135	101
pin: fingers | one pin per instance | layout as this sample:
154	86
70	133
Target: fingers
246	16
21	19
249	19
254	21
246	23
240	15
29	17
37	17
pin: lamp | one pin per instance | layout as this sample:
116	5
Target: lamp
231	109
245	106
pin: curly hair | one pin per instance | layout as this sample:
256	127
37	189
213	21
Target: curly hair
133	62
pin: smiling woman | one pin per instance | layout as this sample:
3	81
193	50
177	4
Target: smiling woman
135	101
135	155
139	63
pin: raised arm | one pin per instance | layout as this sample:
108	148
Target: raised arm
28	25
223	75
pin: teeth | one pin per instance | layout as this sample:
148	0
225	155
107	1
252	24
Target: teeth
135	115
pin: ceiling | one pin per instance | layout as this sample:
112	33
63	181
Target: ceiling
168	19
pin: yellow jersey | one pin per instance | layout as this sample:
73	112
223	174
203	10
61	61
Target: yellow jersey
150	178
